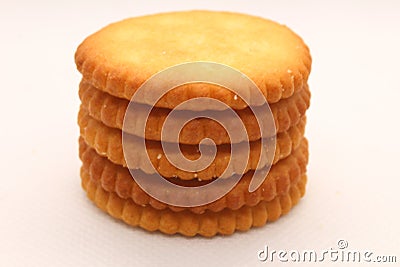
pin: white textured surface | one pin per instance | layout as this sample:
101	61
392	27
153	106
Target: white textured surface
353	128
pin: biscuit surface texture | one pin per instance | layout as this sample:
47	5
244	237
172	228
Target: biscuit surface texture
107	141
115	178
111	111
208	224
119	58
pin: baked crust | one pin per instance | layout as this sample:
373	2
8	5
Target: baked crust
119	58
208	224
115	178
111	111
108	142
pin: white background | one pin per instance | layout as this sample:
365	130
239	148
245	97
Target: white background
354	173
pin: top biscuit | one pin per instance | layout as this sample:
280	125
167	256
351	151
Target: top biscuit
119	58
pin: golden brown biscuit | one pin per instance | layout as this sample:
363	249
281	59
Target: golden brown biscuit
114	178
119	58
224	222
108	142
111	111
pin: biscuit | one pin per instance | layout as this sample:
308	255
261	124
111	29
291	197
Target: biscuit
119	58
108	142
208	224
114	178
111	111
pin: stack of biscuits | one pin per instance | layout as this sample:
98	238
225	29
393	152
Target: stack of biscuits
118	59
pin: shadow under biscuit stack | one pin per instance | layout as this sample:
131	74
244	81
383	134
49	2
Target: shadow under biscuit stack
119	58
